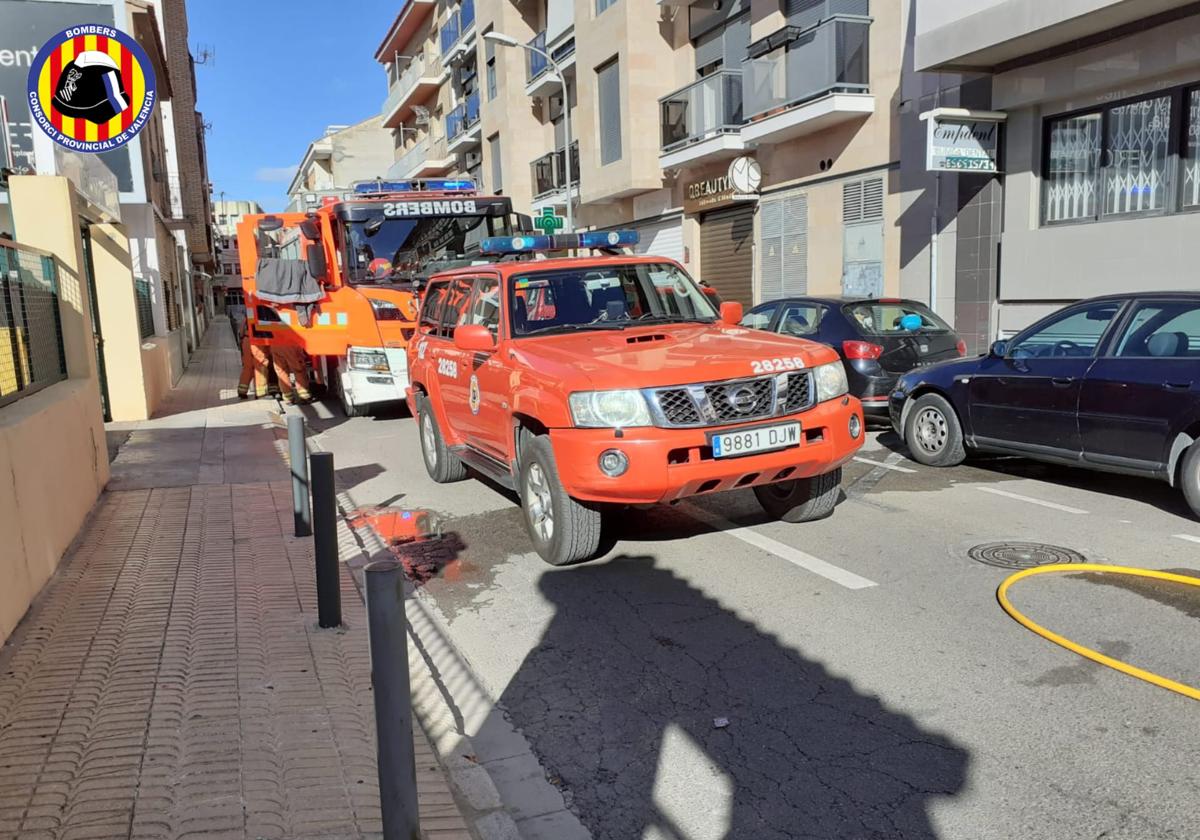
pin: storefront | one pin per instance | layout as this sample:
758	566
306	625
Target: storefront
726	238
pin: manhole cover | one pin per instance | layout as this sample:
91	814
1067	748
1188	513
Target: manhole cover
1020	555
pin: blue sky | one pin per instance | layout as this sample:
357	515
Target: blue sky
284	70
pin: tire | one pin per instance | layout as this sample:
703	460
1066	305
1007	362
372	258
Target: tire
1189	477
563	531
443	466
802	499
348	408
933	433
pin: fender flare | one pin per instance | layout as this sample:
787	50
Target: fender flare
1183	442
430	392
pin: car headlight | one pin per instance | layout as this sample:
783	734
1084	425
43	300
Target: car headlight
368	360
609	409
831	381
386	311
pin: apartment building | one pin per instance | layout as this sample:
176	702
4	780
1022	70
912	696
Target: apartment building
339	157
662	97
227	215
1099	148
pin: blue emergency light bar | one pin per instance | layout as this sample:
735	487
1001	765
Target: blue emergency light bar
558	242
437	185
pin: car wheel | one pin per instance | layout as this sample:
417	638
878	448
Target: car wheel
563	530
442	465
933	432
1189	477
802	499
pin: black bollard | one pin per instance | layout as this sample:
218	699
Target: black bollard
329	591
301	511
388	633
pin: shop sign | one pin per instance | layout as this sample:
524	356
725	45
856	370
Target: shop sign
738	183
962	141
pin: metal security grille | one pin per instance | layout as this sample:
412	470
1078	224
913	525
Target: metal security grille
783	255
145	309
171	299
31	345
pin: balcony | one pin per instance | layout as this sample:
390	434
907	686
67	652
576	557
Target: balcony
703	121
458	32
549	175
462	124
541	80
802	81
412	85
428	157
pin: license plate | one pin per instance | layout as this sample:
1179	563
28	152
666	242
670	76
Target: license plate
755	439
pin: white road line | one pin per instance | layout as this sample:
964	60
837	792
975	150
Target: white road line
785	552
1187	537
886	466
1031	500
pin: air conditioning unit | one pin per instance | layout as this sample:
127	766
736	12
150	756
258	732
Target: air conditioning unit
472	159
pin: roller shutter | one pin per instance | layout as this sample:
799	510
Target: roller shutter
727	252
783	253
662	239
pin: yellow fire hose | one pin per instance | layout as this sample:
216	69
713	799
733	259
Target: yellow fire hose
1096	656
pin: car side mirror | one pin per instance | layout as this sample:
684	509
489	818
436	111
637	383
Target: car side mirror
999	349
315	257
731	313
474	338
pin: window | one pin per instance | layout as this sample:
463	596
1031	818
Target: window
489	54
760	318
601	5
1073	333
497	166
431	307
1163	329
458	292
1117	161
485	308
608	86
800	318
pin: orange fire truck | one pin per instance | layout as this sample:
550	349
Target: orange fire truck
341	281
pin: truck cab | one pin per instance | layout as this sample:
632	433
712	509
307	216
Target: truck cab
591	382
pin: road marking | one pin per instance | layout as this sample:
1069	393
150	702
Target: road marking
886	466
784	552
1187	537
1031	500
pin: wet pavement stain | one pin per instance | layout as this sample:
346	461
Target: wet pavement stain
1185	599
1084	672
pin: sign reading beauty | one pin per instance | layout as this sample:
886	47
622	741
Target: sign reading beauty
963	143
740	182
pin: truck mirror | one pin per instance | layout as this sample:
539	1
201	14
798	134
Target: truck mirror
311	230
317	267
269	223
731	312
525	224
474	338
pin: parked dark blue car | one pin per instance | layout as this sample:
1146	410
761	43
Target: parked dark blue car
1111	384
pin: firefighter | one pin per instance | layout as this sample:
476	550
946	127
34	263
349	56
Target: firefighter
291	361
256	359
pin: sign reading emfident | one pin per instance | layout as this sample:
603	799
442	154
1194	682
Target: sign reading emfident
963	141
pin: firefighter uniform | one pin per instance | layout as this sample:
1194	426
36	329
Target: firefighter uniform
291	361
256	359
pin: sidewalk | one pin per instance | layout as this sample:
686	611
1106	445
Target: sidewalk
171	680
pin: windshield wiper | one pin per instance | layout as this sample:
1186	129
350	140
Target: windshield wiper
595	325
672	319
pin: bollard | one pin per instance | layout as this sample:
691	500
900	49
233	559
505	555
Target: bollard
301	510
329	592
387	630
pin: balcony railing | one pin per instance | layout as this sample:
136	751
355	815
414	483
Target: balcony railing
457	25
402	83
829	58
550	172
464	117
426	149
705	108
535	64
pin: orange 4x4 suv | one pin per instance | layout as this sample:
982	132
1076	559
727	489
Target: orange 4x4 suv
587	383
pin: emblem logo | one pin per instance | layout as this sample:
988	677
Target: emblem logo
91	88
742	399
474	395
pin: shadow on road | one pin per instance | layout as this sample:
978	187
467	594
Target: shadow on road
663	714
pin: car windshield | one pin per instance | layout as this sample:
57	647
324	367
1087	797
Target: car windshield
875	317
605	297
399	251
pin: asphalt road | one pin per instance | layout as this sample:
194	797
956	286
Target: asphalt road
717	675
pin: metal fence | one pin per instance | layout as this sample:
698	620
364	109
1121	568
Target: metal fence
31	343
145	309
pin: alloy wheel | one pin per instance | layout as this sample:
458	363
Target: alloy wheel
429	440
538	504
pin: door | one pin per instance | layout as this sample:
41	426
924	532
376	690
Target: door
727	253
1144	387
450	363
1029	399
89	268
487	422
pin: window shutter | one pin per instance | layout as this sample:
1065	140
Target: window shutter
852	202
770	261
804	13
497	168
862	201
608	84
795	244
710	48
873	199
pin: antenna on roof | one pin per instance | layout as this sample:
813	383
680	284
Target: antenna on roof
205	55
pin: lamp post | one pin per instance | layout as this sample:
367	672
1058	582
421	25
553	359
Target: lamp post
508	41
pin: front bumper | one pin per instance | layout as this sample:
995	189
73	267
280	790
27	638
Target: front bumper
670	464
896	404
367	387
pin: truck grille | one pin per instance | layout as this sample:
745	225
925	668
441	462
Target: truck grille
732	401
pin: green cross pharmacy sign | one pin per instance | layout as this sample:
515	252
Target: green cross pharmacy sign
547	222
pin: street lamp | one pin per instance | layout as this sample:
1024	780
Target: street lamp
508	41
